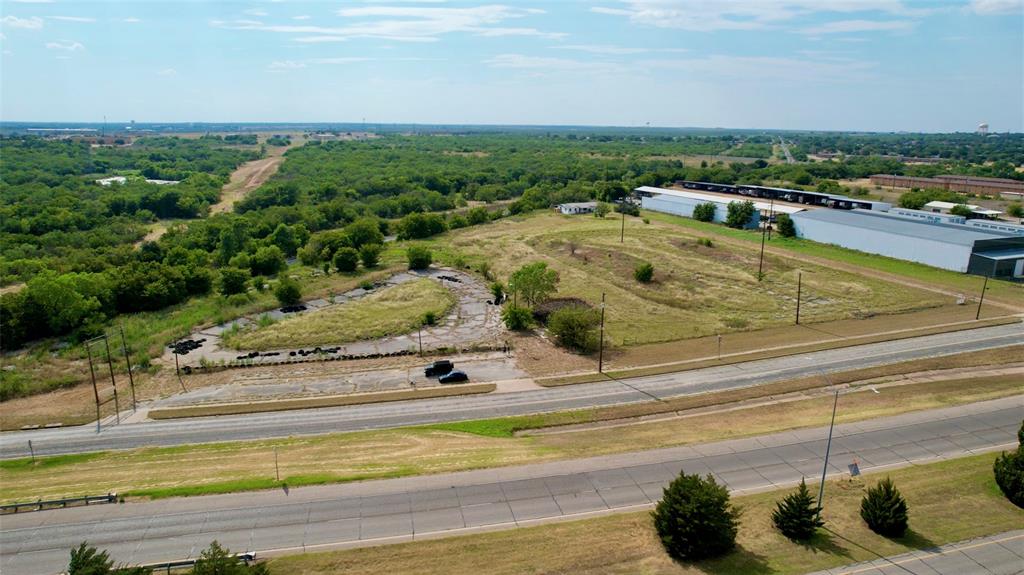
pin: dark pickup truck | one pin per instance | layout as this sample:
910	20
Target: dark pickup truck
438	368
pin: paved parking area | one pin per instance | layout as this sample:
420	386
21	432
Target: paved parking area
407	508
1001	554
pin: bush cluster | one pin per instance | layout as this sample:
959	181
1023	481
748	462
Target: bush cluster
1009	472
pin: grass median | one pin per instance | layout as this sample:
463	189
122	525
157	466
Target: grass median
948	501
250	465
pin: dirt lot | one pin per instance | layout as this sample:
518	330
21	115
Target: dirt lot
250	176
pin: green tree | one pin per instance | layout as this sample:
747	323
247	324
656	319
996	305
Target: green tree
419	257
884	509
369	254
417	225
704	212
961	210
268	261
1009	471
86	560
796	516
575	328
346	259
233	280
232	240
516	318
364	231
1015	209
478	215
288	292
644	272
601	210
218	560
785	225
534	282
739	214
695	519
284	238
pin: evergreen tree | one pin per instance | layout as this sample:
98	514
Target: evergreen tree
884	509
694	518
1009	472
796	516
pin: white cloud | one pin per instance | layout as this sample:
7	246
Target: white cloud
341	60
66	45
614	50
711	15
990	7
768	68
405	23
72	18
33	23
302	17
167	72
255	12
33	1
553	65
286	65
131	20
853	26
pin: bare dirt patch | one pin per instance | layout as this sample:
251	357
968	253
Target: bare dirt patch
248	177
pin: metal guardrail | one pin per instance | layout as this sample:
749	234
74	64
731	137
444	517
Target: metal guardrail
57	503
167	566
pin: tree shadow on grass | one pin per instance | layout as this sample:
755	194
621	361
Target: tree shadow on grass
739	560
910	538
823	542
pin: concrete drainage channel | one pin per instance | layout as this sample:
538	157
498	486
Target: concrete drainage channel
474	324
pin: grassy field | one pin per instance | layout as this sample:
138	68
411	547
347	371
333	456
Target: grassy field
697	290
1002	291
948	501
222	467
389	311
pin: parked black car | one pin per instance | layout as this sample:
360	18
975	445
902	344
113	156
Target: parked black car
453	377
439	367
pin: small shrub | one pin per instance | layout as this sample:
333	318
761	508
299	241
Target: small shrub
516	318
704	212
694	518
575	327
288	292
459	262
497	291
369	254
785	225
1015	209
485	270
429	318
346	259
419	258
644	272
647	220
238	299
739	214
233	280
1009	472
706	242
601	210
796	516
884	509
366	285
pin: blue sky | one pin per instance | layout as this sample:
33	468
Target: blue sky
879	65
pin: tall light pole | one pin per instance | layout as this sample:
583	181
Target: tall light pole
760	263
828	448
799	286
981	299
128	362
600	351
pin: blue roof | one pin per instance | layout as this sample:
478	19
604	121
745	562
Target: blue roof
879	221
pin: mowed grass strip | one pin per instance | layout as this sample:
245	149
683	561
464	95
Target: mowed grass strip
240	466
949	501
316	402
696	291
389	311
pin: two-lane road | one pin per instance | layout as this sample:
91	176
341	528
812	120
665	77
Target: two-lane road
404	413
404	509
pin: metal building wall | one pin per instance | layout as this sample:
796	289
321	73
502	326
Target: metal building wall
684	207
954	257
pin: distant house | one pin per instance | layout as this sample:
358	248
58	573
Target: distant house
976	211
163	182
577	208
112	180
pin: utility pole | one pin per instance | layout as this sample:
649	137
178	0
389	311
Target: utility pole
128	362
600	352
95	390
799	285
110	365
828	448
760	263
719	336
981	299
771	214
277	470
419	336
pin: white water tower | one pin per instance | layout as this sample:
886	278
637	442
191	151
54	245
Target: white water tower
982	128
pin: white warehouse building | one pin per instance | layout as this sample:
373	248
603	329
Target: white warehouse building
955	247
682	203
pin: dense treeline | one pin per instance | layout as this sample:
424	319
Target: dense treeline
54	215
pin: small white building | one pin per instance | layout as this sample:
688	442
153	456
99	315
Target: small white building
112	180
163	182
577	208
945	208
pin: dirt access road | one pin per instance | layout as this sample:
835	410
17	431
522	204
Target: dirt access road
250	176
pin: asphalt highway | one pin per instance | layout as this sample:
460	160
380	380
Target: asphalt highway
396	414
395	510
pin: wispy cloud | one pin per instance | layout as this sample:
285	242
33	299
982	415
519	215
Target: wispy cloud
131	20
286	65
405	23
996	7
302	17
66	45
546	65
613	50
167	72
810	70
32	23
854	26
255	12
280	65
713	15
73	18
33	1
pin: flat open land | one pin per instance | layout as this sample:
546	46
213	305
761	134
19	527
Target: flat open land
390	311
239	466
697	290
948	501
